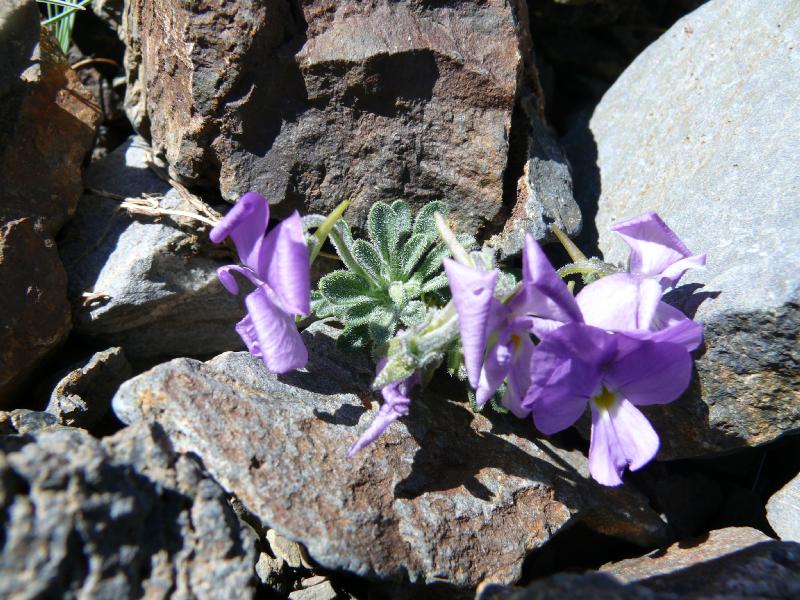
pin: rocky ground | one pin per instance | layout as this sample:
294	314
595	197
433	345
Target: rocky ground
143	453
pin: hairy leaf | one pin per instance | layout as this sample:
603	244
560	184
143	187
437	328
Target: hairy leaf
383	230
369	260
412	251
353	339
403	213
344	288
424	223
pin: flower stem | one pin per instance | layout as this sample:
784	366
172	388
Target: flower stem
574	252
458	251
322	232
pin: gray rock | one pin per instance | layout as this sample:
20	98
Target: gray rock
19	33
446	495
702	128
122	518
733	563
23	420
155	282
274	573
83	396
320	591
313	104
783	511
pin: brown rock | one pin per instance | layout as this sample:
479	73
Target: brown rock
36	314
313	104
446	495
40	158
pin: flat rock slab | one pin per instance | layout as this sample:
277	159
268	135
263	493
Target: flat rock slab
154	283
121	518
446	495
734	563
783	511
703	128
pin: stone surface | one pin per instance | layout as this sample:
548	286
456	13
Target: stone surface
686	554
783	511
320	591
33	297
155	282
125	517
733	563
83	396
19	33
315	102
446	495
702	128
44	140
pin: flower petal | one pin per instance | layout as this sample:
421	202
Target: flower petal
472	294
620	302
543	293
271	334
671	325
671	275
245	224
396	402
652	373
519	378
621	436
654	246
565	374
228	281
284	264
494	371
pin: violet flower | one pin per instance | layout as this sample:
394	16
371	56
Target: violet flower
658	260
542	303
278	265
395	405
579	364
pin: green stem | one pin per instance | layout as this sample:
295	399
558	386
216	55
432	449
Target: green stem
458	252
322	232
68	11
574	252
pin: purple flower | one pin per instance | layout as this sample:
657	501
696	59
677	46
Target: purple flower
579	364
278	265
542	303
395	405
631	302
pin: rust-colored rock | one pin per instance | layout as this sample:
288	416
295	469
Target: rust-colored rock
311	103
446	495
41	156
33	297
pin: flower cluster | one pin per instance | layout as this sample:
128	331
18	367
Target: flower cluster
545	352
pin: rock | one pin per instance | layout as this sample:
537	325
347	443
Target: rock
53	129
83	397
19	33
115	519
36	314
712	157
23	420
445	496
155	283
323	101
320	591
783	511
273	573
292	553
685	554
730	563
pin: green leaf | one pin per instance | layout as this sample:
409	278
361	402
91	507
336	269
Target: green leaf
383	230
437	283
403	212
424	223
320	305
361	314
413	313
432	263
344	288
398	367
342	239
412	251
353	339
369	260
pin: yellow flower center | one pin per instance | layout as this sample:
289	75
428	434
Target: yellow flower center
605	399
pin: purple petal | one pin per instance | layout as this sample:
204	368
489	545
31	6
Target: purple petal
228	281
519	378
472	294
284	265
671	325
621	436
245	224
565	374
543	293
671	275
271	334
652	373
494	371
620	302
396	402
654	246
